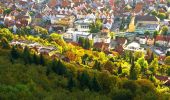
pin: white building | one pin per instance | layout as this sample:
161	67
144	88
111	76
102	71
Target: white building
134	46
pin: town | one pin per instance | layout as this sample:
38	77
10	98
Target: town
126	38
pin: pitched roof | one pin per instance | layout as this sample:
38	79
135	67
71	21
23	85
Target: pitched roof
138	7
162	38
146	18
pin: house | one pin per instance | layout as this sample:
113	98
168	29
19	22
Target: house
103	36
118	44
83	25
150	41
164	79
101	46
162	40
146	22
73	35
134	46
138	8
142	40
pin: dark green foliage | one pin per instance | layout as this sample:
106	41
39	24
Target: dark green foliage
122	95
14	53
96	27
132	70
5	43
85	43
71	83
130	85
84	58
42	60
168	53
95	86
84	79
59	68
7	11
97	65
119	70
26	55
35	59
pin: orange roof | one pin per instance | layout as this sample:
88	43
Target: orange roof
52	3
138	7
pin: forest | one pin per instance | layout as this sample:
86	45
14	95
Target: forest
86	74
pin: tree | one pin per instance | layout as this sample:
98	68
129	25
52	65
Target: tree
134	71
168	53
155	33
42	60
7	11
154	13
81	41
84	58
40	30
154	66
162	16
167	60
165	30
35	59
5	43
97	65
122	94
14	53
96	27
143	63
147	33
119	70
71	83
88	44
168	71
59	68
84	79
95	86
130	85
26	55
152	78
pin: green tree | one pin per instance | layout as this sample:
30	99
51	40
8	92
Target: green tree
130	85
14	53
119	70
162	16
42	60
155	33
168	71
165	30
84	79
71	83
122	94
95	86
168	53
59	68
26	55
147	33
35	59
154	66
96	27
5	43
144	64
154	13
84	58
97	65
7	11
134	71
167	60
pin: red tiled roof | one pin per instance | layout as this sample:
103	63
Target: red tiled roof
138	7
101	46
162	38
